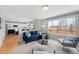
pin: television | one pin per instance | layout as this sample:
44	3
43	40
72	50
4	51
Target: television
11	31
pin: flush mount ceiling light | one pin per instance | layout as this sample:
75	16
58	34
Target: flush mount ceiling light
44	7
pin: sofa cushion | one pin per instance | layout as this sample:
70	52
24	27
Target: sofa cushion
33	33
73	39
61	40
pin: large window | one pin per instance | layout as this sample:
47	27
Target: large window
50	24
55	23
62	26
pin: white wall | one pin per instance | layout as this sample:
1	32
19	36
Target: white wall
2	31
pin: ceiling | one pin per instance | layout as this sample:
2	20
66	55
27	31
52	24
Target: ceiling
31	12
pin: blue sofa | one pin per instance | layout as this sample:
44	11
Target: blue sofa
33	36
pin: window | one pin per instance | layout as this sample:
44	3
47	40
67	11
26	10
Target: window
55	23
63	26
70	22
50	24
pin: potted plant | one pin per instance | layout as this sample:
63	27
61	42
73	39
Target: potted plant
46	38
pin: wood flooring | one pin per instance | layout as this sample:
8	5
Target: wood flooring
9	43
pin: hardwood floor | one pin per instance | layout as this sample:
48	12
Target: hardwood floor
10	42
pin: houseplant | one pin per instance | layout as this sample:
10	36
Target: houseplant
46	38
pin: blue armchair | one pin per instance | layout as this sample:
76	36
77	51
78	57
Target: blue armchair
33	36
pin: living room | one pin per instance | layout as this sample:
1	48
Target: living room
32	24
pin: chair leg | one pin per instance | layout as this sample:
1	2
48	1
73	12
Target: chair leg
54	52
32	51
77	49
63	48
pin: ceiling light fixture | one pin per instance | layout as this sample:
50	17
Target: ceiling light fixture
44	7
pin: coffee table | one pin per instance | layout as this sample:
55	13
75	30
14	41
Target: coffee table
44	49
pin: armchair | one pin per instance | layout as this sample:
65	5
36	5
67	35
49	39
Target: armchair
69	42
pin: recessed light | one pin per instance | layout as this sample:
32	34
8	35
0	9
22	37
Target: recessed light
44	7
